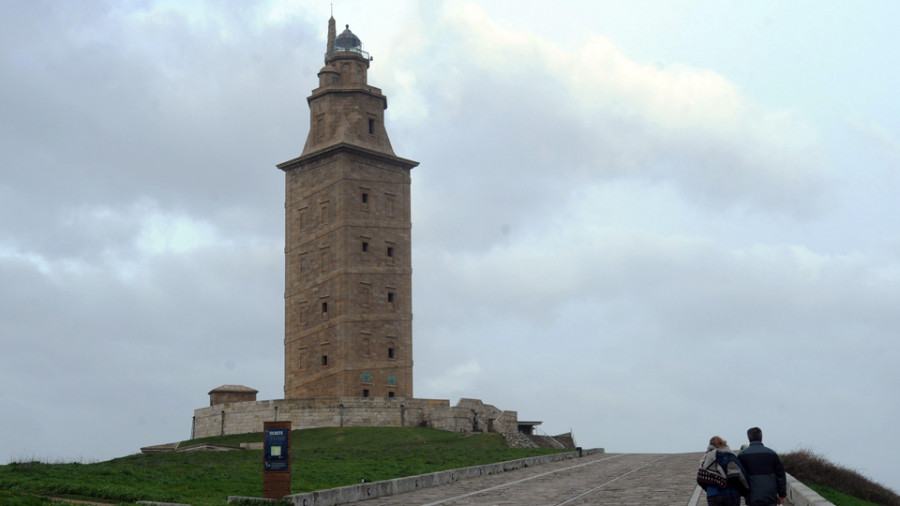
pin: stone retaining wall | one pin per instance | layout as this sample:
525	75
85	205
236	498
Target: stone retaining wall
469	415
801	495
364	491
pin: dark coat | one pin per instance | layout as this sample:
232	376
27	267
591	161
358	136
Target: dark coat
765	475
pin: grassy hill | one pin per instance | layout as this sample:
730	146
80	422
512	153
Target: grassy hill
322	458
838	484
330	457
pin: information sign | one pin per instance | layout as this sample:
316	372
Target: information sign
276	459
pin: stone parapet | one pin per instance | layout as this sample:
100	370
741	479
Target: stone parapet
373	490
798	494
801	495
469	415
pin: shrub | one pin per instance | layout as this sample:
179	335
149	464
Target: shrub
808	467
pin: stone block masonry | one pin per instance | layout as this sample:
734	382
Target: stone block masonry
348	261
469	415
348	347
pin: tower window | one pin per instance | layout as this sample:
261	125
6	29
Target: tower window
364	199
302	309
390	394
325	360
364	289
325	255
389	204
324	307
390	251
390	297
371	126
390	353
301	218
302	262
365	246
365	392
303	353
335	79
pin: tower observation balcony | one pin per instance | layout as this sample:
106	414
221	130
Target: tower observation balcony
342	50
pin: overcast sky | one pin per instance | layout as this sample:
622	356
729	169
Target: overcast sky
645	222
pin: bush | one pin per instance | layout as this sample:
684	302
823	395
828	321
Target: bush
810	468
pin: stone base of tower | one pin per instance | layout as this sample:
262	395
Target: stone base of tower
469	415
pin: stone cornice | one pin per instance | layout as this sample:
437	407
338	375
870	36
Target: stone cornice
344	147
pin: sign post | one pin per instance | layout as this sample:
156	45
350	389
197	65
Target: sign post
277	460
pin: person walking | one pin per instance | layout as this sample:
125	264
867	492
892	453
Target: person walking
716	460
765	474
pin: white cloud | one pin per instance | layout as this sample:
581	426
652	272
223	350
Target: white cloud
881	137
9	252
162	233
596	114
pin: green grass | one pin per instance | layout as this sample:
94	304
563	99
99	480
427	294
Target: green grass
840	498
838	484
19	499
321	458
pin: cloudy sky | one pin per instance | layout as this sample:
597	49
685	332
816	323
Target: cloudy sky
645	222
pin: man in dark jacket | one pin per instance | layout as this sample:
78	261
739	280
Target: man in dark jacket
765	474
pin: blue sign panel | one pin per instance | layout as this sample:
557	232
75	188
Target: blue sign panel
276	459
276	444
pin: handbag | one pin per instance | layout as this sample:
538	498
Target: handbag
707	478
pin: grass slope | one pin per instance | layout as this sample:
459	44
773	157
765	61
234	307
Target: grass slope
322	458
840	485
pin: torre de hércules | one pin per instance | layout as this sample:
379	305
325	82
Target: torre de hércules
348	344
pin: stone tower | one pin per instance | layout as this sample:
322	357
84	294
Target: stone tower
348	268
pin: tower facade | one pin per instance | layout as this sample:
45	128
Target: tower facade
348	266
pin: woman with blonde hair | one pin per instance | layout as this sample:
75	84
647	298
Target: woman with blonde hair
719	460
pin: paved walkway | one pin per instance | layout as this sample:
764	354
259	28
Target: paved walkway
631	479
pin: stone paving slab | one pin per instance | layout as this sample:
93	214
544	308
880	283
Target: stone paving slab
626	479
596	478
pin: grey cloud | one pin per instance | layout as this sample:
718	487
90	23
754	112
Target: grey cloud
516	137
603	258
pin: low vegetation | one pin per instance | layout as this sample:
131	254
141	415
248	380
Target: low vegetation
321	458
840	485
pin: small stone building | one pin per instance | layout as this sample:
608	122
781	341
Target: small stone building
227	394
